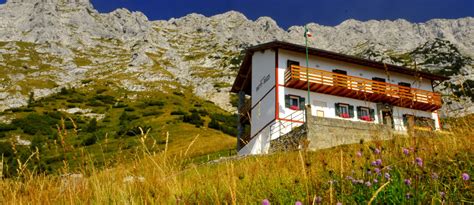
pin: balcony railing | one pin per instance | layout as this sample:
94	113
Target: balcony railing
360	88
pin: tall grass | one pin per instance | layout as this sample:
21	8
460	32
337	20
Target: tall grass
424	169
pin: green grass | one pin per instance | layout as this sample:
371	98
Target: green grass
116	133
329	176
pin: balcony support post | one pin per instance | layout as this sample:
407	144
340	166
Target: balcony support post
240	127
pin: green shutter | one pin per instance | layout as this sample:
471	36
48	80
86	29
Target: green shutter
338	109
302	103
372	114
287	101
351	111
405	120
359	112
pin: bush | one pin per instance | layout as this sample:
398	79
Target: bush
107	99
214	124
151	113
178	93
155	103
36	124
92	139
92	126
6	127
178	112
129	109
194	119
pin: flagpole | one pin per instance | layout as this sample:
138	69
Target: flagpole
307	62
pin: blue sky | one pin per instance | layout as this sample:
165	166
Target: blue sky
299	12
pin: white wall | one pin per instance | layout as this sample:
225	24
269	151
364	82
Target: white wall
330	101
260	144
352	69
398	113
263	77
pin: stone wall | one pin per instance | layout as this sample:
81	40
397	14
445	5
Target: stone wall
291	141
327	132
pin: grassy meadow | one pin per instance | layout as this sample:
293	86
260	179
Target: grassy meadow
431	168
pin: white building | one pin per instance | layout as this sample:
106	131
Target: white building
273	88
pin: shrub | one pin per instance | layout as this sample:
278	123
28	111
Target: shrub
178	112
6	127
107	99
129	109
214	124
90	140
36	124
92	126
155	103
152	113
178	93
194	119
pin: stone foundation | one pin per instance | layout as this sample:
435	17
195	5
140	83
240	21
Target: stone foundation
327	132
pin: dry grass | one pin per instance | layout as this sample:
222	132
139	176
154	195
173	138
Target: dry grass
329	176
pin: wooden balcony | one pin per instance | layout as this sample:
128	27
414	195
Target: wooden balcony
360	88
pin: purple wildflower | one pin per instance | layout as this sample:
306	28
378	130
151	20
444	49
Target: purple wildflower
377	151
465	176
406	151
359	154
373	163
318	199
407	182
265	202
349	178
387	176
369	172
376	181
378	162
419	161
377	170
434	176
442	194
408	195
368	184
338	203
298	203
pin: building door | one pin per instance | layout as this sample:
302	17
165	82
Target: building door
385	112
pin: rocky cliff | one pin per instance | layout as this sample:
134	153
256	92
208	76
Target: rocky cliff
49	44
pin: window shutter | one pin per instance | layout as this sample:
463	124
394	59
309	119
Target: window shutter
351	111
287	101
302	103
359	112
338	109
372	114
405	120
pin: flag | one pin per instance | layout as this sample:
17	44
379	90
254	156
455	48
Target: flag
307	33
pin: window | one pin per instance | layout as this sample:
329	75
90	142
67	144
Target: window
294	102
339	71
404	84
365	113
344	110
378	79
289	63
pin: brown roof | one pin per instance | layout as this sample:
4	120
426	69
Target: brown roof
241	82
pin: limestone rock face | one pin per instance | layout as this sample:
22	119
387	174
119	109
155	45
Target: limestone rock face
59	43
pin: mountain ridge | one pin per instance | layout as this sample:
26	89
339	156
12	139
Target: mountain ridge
201	53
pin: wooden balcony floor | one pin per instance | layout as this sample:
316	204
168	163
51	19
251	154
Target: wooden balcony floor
352	87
